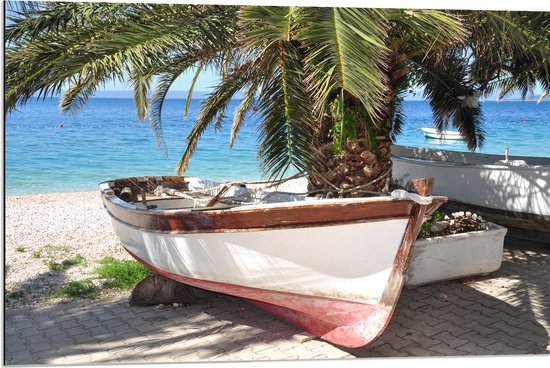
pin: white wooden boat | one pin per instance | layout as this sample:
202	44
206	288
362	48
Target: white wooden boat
512	191
334	267
447	135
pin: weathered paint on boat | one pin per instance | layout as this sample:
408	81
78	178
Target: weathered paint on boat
334	267
513	192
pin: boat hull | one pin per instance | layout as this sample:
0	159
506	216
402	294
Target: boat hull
332	267
516	196
342	322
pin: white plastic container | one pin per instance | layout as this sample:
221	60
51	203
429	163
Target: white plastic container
456	256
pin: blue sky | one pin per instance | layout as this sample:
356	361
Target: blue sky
206	81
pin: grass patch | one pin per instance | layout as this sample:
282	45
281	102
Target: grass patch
21	249
17	294
121	274
66	263
81	288
54	249
114	273
58	257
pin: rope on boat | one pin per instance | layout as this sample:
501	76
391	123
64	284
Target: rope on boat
223	188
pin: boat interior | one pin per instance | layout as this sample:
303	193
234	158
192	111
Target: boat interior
175	193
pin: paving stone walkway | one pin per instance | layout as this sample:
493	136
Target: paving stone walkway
507	312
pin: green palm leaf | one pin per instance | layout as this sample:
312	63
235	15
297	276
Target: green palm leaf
346	51
164	83
213	107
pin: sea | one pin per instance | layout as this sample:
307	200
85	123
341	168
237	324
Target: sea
46	151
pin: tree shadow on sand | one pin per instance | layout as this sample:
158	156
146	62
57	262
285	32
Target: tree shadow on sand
32	290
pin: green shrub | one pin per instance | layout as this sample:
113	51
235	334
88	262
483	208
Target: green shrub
425	229
36	254
81	288
54	266
21	249
121	274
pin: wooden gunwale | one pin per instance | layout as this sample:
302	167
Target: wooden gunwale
281	227
473	165
306	215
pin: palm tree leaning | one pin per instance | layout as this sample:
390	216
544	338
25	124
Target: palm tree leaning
327	83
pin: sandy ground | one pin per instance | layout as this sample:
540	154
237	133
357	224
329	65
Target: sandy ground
53	227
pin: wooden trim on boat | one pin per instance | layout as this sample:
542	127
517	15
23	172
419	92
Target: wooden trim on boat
237	230
395	283
304	215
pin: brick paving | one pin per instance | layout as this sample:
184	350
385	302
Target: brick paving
506	313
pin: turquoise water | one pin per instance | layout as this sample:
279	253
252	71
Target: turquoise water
106	141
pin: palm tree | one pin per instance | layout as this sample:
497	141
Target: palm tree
328	83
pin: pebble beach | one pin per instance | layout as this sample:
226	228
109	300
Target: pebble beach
52	227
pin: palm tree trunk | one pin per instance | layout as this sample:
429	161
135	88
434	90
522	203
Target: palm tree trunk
357	171
364	167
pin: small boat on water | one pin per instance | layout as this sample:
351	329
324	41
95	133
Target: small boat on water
332	266
512	191
447	135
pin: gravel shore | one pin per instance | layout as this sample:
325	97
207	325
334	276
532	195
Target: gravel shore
43	228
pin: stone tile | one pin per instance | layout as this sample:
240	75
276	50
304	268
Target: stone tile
502	348
446	350
473	348
448	339
416	349
422	340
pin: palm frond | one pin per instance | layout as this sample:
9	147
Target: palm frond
519	60
421	31
164	83
192	88
214	105
347	51
287	126
244	107
77	96
92	42
452	98
141	85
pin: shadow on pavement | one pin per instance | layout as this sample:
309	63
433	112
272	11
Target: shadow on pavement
493	315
